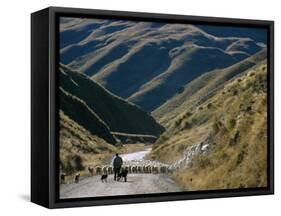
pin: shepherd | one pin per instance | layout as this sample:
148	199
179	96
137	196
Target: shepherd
117	164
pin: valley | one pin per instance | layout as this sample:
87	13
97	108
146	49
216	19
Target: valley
189	98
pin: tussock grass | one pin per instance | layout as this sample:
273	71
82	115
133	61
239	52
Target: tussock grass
238	124
202	88
79	148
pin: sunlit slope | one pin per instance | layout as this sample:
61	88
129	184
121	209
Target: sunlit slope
202	88
232	124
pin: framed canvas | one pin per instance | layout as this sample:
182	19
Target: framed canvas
139	107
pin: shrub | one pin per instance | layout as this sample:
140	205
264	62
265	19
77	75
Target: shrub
216	126
234	140
252	74
77	162
248	109
210	105
72	164
177	122
186	125
232	123
180	90
240	158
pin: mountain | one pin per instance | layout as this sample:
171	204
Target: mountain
74	30
198	93
113	112
222	143
147	63
192	61
256	34
82	114
202	88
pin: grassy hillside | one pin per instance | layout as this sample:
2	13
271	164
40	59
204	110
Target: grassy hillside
232	126
201	89
80	148
147	63
189	62
118	114
257	34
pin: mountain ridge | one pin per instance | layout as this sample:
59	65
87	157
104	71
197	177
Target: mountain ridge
143	52
118	114
208	83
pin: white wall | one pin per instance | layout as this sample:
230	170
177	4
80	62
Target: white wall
15	105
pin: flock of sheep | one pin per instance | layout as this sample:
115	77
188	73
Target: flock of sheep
131	169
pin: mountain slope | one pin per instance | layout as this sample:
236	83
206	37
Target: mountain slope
79	111
257	34
201	88
75	30
230	131
116	113
191	63
78	145
151	58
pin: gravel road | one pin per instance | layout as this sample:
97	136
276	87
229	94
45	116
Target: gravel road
136	183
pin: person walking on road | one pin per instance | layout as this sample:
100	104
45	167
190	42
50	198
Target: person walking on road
117	164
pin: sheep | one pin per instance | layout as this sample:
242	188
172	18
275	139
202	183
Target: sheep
91	170
105	170
155	169
110	170
77	178
129	169
163	169
139	169
148	169
144	169
134	169
98	170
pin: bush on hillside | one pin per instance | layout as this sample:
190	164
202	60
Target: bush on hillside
72	164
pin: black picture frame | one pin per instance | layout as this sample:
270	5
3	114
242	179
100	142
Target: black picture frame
44	108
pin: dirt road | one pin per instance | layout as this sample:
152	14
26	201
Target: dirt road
137	183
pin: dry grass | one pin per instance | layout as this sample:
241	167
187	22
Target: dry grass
79	148
202	88
238	122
